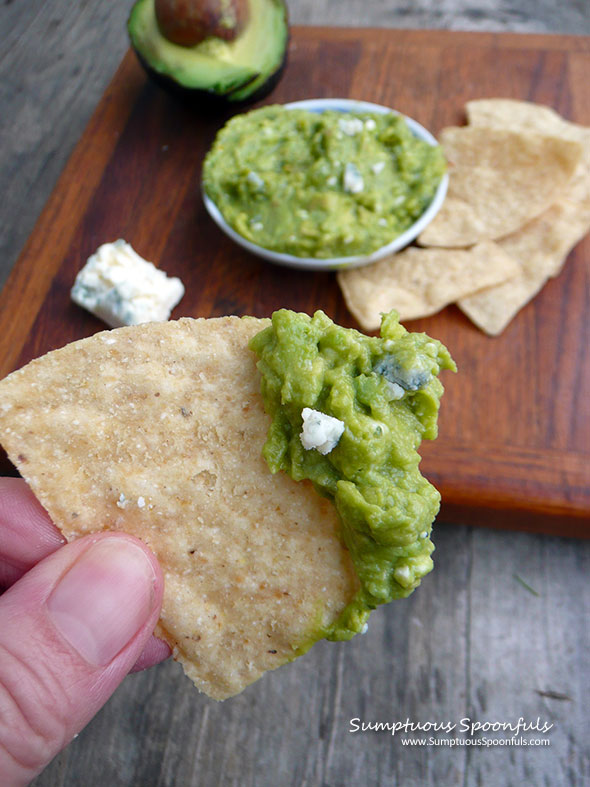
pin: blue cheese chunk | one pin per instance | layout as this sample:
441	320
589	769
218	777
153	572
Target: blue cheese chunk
406	379
320	431
350	125
353	182
255	180
121	288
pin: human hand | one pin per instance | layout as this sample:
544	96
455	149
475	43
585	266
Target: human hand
75	620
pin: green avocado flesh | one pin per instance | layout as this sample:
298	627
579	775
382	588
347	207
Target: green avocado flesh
386	392
233	69
321	184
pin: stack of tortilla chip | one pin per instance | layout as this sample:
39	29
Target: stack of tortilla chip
518	202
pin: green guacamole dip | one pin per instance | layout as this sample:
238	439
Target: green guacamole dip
387	393
330	184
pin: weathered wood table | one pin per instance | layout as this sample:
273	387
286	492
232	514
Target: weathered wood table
497	632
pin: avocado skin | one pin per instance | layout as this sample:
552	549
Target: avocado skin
238	96
209	99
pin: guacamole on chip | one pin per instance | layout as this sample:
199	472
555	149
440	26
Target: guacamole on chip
386	392
330	184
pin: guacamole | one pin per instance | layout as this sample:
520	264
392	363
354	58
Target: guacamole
386	392
330	184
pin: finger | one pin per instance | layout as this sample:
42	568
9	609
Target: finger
155	651
70	630
27	534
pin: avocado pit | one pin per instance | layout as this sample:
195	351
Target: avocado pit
189	22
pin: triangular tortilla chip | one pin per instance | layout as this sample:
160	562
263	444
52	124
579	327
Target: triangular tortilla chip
525	116
540	249
157	430
418	282
514	115
498	181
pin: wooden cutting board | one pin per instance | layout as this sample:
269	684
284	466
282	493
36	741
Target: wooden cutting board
514	445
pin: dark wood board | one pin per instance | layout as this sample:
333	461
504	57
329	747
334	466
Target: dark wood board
514	445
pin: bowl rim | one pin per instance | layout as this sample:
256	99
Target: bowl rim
354	261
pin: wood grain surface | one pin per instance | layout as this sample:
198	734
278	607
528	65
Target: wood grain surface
515	425
473	641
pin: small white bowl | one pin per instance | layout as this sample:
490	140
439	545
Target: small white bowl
337	263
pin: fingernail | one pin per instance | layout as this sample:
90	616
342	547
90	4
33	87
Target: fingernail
104	599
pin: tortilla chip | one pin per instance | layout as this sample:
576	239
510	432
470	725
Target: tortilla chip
540	249
419	282
525	116
498	181
157	430
509	113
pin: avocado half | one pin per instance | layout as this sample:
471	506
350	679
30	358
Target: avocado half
235	71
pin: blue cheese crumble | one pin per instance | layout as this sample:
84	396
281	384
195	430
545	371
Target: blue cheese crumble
350	125
352	181
121	288
320	431
401	378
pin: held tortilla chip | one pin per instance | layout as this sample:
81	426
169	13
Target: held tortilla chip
157	430
525	116
498	181
418	282
540	249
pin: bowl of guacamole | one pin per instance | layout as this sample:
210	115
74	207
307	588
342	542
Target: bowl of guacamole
323	183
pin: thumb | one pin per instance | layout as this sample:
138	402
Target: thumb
70	630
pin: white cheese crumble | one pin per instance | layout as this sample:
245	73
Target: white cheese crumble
378	167
353	181
395	390
350	126
403	576
121	288
320	431
255	180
